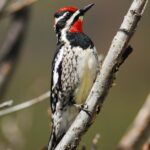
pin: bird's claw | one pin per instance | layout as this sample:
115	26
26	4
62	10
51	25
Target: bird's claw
84	108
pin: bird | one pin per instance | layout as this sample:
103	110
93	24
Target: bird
74	69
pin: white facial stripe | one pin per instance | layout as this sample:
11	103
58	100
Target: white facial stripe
68	25
61	17
69	22
57	62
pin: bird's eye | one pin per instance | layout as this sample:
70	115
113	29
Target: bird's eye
68	14
58	14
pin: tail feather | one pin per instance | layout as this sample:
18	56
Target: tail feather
53	142
61	122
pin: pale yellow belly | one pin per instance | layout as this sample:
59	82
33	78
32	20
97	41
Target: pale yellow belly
87	79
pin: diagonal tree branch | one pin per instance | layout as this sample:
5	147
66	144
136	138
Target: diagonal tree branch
104	79
139	131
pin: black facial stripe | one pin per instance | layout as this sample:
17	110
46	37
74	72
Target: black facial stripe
59	14
62	22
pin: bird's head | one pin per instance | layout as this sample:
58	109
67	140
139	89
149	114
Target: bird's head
70	19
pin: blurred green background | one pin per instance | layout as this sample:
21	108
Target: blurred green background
29	129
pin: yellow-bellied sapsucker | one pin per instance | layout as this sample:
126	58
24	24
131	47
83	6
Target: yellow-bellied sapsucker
74	69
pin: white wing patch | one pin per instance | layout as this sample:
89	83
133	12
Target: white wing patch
57	63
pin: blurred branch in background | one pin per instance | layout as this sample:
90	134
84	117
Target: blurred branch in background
95	142
139	131
146	145
11	47
2	5
25	104
104	80
16	6
6	104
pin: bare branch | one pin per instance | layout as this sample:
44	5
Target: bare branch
104	79
25	105
139	131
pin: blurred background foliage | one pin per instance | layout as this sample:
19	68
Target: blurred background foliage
29	129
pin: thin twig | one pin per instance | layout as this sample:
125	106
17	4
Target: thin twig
25	105
17	6
95	142
139	131
104	80
6	104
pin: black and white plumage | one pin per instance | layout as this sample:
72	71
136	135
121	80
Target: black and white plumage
74	69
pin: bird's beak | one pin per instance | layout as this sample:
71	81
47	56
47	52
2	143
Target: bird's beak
86	8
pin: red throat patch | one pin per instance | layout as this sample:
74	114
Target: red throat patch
77	26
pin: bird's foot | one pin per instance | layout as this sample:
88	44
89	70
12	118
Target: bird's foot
84	108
